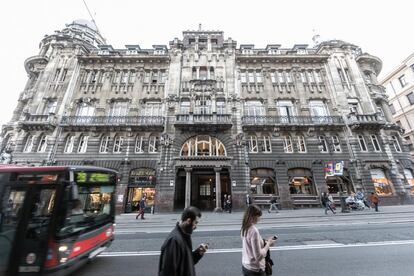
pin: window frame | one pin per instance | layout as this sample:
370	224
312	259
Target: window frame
362	143
375	143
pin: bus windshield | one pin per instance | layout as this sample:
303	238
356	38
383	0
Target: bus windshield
93	208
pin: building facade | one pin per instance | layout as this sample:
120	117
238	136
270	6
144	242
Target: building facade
399	84
203	117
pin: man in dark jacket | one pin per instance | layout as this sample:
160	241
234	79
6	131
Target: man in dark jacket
142	206
177	257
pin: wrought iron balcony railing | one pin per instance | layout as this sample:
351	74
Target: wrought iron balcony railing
277	121
112	121
211	120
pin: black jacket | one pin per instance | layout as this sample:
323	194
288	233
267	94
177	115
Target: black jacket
177	257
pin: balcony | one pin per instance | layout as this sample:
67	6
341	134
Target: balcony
270	122
38	122
140	123
377	92
208	122
366	121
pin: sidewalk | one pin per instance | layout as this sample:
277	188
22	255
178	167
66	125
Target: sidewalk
297	213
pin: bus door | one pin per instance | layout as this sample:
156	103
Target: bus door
11	201
33	233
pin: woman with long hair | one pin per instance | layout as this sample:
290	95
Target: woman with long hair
254	248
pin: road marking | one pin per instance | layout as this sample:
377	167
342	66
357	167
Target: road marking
147	229
279	248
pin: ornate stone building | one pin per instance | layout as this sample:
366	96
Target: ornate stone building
203	117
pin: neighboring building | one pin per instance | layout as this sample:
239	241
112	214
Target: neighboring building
399	84
188	123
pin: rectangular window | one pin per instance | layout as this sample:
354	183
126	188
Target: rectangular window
318	77
132	76
64	73
392	108
301	144
152	109
310	76
396	143
323	147
118	143
251	77
152	144
336	144
83	144
185	107
254	108
253	144
139	144
56	76
341	75
353	108
50	107
280	77
163	78
375	143
243	77
29	143
104	147
273	77
410	97
287	144
288	76
70	143
303	77
403	81
267	146
221	107
259	77
147	77
154	78
118	109
362	144
42	144
125	76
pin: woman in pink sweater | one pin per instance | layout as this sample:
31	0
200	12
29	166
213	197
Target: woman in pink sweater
254	249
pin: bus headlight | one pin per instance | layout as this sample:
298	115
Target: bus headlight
63	248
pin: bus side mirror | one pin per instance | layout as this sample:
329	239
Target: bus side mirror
74	193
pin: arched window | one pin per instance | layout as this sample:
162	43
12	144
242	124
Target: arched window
263	181
301	181
118	143
70	143
203	145
29	143
382	184
104	147
42	144
83	143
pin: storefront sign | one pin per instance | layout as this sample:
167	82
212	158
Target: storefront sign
233	183
171	182
120	198
329	169
334	168
339	168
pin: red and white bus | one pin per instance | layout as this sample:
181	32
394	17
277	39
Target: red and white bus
54	219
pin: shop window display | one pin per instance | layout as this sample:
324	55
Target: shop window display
410	179
382	184
301	182
263	181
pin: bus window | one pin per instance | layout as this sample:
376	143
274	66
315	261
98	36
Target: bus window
93	208
12	203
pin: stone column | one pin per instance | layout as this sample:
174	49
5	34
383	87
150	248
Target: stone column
387	112
218	190
188	187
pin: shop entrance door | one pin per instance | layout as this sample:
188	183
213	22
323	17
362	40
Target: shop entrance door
203	188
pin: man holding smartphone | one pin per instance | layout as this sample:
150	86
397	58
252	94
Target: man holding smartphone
177	257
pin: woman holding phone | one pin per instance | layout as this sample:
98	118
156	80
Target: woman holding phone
254	248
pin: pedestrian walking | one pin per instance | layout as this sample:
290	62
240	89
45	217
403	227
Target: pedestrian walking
273	205
361	196
248	200
327	201
374	200
141	208
177	257
254	248
229	203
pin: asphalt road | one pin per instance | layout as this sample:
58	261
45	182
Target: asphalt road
367	244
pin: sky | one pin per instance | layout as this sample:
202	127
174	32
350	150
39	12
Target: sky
381	28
